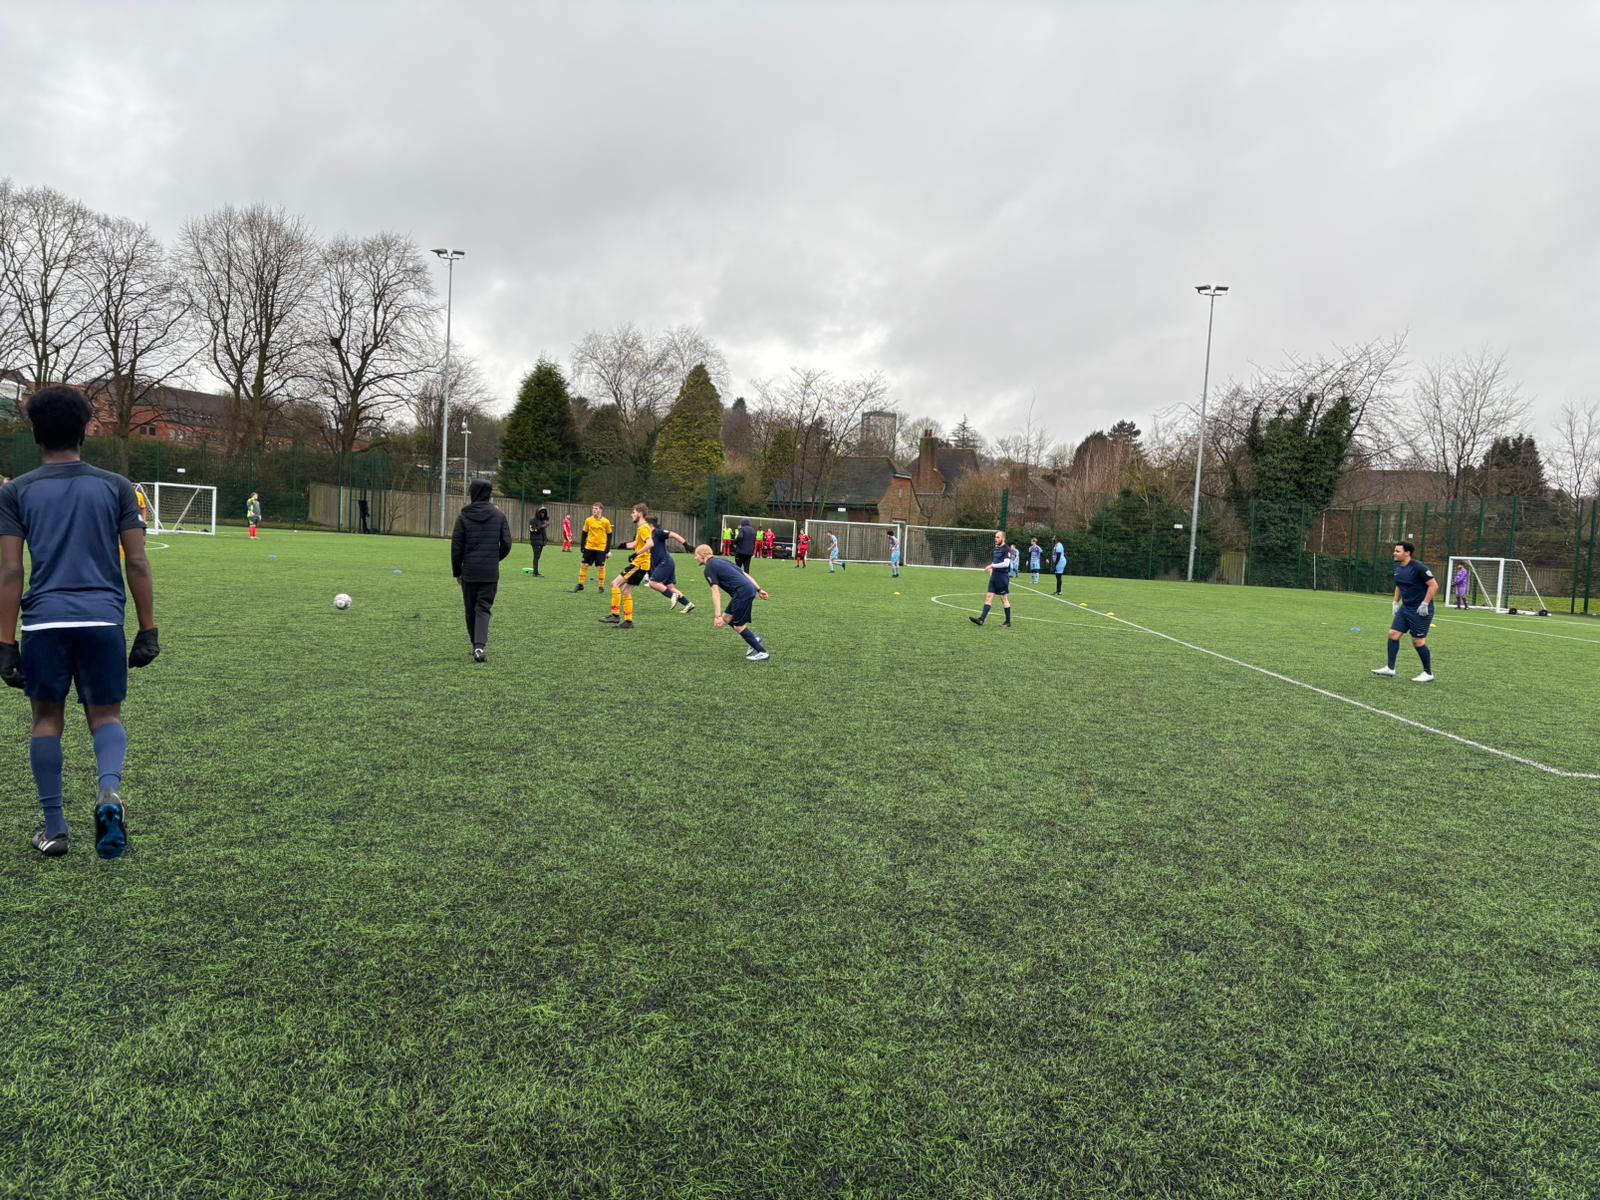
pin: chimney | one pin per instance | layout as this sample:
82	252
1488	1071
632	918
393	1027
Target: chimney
925	478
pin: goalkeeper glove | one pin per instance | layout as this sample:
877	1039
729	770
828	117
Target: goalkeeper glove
11	664
146	647
1424	609
1396	608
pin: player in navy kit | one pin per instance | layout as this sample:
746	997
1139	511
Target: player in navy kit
1414	590
663	571
73	518
999	581
743	592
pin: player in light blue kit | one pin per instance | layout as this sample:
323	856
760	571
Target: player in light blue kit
894	556
1035	555
1414	590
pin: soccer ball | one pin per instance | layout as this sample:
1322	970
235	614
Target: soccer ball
341	601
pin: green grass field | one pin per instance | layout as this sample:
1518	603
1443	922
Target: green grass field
913	909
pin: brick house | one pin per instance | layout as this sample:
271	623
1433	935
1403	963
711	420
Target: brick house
867	487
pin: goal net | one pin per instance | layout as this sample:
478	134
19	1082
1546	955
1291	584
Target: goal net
783	532
940	546
859	541
1497	584
180	507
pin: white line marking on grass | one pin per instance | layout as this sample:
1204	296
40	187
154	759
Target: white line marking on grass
1444	733
940	601
1468	623
157	546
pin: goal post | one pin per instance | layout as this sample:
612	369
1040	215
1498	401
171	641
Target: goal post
180	507
943	546
782	528
1499	585
859	541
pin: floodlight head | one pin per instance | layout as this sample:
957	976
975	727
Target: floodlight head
1199	287
1220	288
440	251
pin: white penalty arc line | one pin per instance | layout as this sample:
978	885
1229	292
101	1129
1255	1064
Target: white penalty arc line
1382	712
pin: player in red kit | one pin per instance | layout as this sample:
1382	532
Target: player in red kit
566	533
801	549
772	543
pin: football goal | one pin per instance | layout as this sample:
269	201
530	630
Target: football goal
180	507
859	541
939	546
783	532
1497	584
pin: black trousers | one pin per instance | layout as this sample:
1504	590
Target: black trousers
742	561
1058	583
479	598
538	549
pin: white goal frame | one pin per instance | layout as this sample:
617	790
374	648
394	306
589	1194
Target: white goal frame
918	552
762	524
1494	581
859	541
181	507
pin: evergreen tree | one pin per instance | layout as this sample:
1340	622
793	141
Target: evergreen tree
1513	467
689	447
540	441
965	436
737	434
605	439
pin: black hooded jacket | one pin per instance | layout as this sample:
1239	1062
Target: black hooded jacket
481	539
744	542
539	527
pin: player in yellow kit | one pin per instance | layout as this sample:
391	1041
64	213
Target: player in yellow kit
638	571
596	541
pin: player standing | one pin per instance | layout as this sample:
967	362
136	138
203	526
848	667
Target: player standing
1461	587
999	581
1014	557
72	517
1035	554
566	534
253	513
637	572
743	591
894	556
1414	590
596	541
772	544
1058	563
802	550
744	545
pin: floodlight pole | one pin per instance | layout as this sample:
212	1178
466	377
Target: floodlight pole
466	459
449	257
1205	289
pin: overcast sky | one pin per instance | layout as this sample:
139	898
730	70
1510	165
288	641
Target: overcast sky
988	202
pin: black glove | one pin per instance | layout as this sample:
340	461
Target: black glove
11	664
146	648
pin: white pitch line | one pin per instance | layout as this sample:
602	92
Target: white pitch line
940	601
1382	712
1467	623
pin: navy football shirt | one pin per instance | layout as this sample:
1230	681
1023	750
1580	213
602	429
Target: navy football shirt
1412	580
72	517
723	574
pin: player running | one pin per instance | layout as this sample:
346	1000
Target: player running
802	550
894	556
999	581
743	591
663	570
638	571
833	553
596	541
1414	590
72	517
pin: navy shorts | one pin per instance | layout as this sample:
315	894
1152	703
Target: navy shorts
739	606
1407	621
664	572
95	657
1000	581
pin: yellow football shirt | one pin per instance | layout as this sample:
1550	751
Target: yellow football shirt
596	533
641	546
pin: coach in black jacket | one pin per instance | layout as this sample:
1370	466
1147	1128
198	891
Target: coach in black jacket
482	538
744	545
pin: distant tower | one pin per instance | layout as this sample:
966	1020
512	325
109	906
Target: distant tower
878	432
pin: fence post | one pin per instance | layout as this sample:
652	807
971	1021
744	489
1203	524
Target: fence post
1005	511
1483	512
1511	538
294	488
1377	549
1588	575
1577	545
1422	546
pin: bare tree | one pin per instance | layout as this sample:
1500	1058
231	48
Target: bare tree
818	415
909	439
141	323
10	311
1576	456
641	373
1458	408
468	393
47	244
250	274
1028	447
375	307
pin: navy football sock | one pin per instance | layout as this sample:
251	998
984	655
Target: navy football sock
985	615
1427	659
1008	614
750	638
44	753
110	748
1394	652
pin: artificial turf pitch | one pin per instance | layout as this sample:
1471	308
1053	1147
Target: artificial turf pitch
912	909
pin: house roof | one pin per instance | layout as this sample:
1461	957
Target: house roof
856	482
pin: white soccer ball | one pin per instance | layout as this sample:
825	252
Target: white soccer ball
341	601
